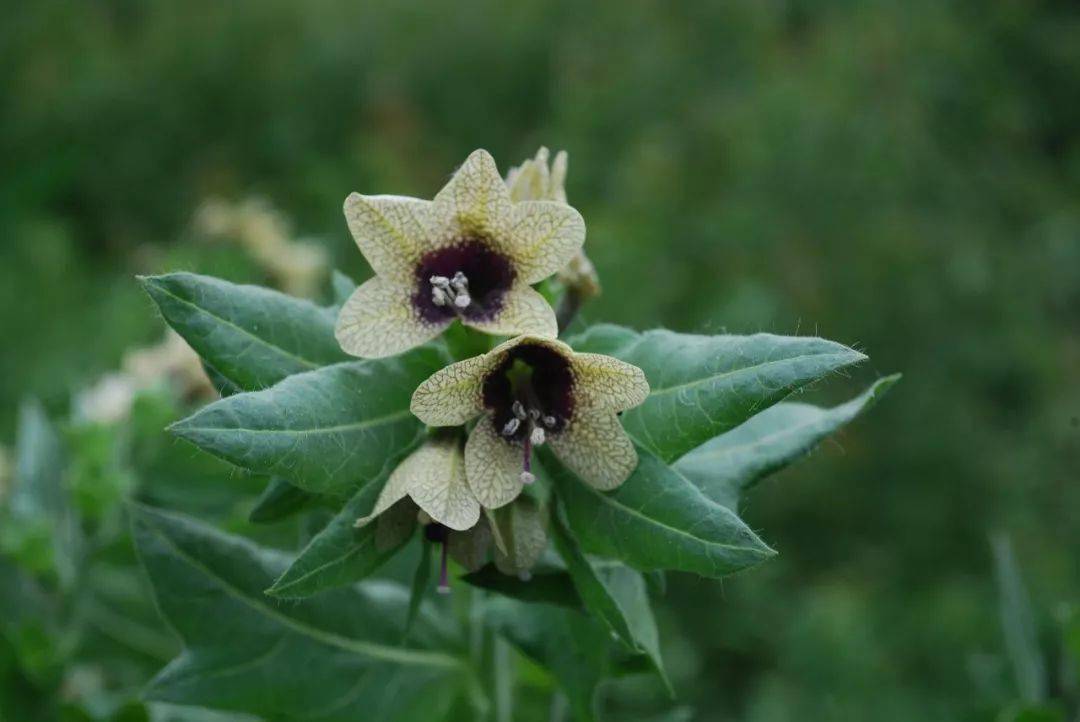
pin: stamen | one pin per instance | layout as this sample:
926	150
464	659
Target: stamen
444	582
439	297
519	410
537	436
550	421
511	427
462	300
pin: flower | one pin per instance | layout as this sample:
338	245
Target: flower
433	476
470	254
396	522
535	179
533	390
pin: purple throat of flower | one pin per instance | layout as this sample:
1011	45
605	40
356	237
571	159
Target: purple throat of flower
439	534
467	280
530	398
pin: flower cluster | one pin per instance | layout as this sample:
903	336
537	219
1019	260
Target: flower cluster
472	255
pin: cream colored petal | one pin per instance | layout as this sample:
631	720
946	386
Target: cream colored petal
543	237
393	491
595	447
435	477
452	395
379	320
391	231
603	382
492	466
524	311
476	198
530	180
557	187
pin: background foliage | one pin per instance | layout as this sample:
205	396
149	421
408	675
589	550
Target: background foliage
903	177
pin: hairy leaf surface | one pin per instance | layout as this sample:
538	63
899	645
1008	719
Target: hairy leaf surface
249	335
337	657
328	431
701	386
657	520
728	465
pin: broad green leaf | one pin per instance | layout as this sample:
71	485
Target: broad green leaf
728	465
342	286
337	657
547	586
328	431
702	386
249	335
222	385
279	499
657	519
341	553
614	594
1018	624
572	647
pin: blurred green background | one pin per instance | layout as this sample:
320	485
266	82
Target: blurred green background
899	176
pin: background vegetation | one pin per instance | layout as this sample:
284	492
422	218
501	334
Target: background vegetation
904	177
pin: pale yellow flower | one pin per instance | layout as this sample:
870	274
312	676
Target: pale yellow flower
529	391
433	476
536	179
471	254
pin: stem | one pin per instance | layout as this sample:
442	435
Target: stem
568	309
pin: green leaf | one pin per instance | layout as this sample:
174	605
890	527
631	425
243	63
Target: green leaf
328	431
342	286
657	519
545	586
571	646
334	658
249	335
1018	624
614	594
222	385
341	553
702	386
279	500
728	465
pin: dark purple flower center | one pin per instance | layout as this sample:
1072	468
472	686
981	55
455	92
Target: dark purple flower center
467	279
530	396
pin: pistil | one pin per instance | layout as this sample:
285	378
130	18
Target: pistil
444	582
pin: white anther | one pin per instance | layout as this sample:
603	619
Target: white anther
534	414
549	421
439	297
537	436
527	477
462	300
519	410
440	282
460	282
511	427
